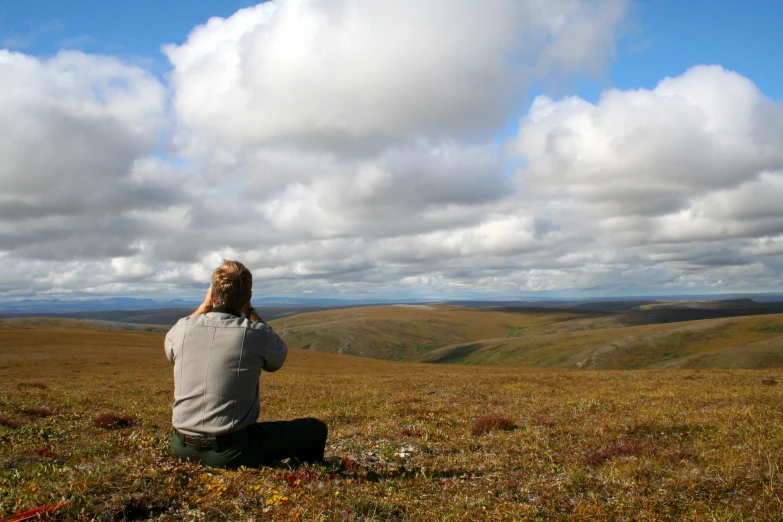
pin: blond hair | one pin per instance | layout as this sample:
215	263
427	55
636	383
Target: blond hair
232	285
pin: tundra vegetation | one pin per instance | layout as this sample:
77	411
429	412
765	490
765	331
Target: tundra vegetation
85	418
542	337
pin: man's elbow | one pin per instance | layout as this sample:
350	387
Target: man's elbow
272	365
167	349
276	357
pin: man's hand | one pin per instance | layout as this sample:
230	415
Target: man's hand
206	306
253	315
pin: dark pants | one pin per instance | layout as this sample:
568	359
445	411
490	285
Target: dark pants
257	444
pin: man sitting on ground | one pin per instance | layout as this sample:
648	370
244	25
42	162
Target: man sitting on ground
218	354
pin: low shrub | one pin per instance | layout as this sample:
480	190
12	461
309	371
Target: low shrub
488	423
426	413
301	476
404	400
38	385
623	448
675	456
351	464
8	422
36	412
112	421
46	452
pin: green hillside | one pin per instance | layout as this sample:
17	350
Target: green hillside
405	333
553	338
739	342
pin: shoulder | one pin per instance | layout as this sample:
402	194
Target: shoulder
182	325
208	319
260	332
185	321
259	326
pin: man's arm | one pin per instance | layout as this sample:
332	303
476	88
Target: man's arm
206	306
168	344
268	344
275	351
254	317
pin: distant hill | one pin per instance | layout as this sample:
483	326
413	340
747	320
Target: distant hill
61	306
656	337
738	342
724	304
673	312
164	316
406	332
603	304
160	317
53	306
611	307
738	333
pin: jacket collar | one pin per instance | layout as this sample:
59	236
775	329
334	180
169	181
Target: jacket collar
225	310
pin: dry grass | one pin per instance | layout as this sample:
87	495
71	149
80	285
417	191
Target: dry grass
602	445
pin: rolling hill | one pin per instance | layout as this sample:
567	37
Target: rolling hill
407	332
738	333
544	337
739	342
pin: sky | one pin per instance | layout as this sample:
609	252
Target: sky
442	150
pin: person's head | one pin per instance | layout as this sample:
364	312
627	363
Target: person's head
232	285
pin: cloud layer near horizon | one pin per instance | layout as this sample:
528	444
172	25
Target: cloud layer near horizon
348	147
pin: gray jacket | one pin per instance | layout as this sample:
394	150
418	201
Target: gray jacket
218	358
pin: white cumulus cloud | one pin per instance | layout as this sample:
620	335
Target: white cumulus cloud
686	175
71	129
352	147
346	75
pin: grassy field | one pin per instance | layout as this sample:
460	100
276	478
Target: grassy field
423	442
553	338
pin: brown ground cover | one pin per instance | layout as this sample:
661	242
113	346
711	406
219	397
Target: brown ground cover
588	445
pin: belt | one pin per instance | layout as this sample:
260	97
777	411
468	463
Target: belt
209	442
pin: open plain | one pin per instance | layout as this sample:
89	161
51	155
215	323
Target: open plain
85	418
